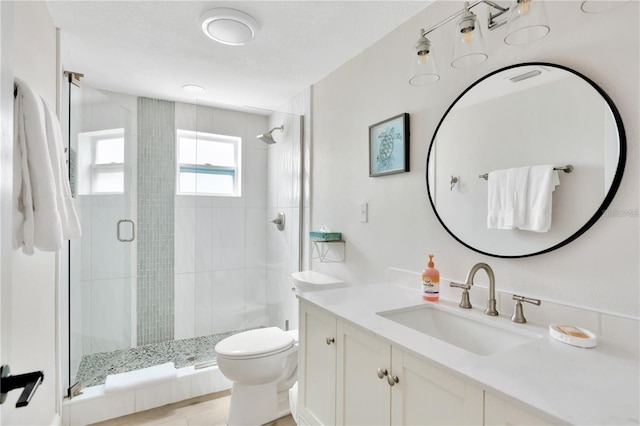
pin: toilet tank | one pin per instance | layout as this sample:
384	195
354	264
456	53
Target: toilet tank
314	281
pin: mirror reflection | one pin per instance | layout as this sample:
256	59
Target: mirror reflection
521	116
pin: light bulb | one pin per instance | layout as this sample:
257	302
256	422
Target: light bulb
467	24
467	35
423	56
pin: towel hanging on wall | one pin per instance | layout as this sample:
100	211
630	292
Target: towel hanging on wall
44	215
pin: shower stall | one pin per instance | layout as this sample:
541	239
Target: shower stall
176	202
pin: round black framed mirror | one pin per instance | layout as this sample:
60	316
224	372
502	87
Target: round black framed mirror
525	115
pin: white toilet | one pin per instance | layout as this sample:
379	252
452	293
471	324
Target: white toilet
263	365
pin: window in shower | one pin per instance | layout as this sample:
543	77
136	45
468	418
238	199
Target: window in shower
101	162
208	164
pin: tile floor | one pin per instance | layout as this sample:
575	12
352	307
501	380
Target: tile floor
205	410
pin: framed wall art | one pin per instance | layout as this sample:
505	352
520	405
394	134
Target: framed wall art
389	146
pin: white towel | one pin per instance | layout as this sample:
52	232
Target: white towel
507	198
541	183
521	198
139	378
43	212
66	209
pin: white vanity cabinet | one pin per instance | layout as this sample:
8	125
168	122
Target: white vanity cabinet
316	366
426	395
358	365
500	412
379	384
373	382
362	397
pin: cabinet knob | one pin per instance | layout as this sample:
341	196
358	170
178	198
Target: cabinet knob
330	340
392	380
382	372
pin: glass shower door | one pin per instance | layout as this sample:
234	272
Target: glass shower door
102	264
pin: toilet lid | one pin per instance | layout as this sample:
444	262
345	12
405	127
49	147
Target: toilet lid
262	341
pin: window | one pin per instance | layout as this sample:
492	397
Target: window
101	158
108	165
208	164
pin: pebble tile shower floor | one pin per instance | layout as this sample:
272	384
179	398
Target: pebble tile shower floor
94	368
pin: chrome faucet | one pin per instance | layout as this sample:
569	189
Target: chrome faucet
491	303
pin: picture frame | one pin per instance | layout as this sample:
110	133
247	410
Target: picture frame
389	146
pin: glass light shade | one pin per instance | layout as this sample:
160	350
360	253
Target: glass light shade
601	6
527	22
424	70
469	47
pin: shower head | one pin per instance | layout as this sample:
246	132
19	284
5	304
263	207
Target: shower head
267	137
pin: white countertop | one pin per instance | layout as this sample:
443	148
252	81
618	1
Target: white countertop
564	384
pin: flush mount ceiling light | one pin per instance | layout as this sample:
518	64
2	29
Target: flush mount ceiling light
193	88
526	23
229	26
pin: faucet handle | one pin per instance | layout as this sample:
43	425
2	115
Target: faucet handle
518	315
464	303
458	285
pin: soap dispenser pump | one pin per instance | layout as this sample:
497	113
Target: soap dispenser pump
431	282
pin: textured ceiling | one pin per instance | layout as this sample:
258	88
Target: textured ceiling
153	48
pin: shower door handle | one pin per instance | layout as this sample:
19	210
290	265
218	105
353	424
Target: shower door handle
119	231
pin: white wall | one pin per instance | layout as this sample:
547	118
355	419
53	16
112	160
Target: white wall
6	181
32	314
233	267
220	242
599	270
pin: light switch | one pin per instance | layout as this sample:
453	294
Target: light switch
364	210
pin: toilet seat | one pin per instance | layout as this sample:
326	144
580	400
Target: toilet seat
257	343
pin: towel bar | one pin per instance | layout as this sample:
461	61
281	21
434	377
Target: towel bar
567	169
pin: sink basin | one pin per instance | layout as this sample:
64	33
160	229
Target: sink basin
477	335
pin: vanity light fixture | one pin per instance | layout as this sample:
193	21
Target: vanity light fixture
423	62
526	22
469	47
590	6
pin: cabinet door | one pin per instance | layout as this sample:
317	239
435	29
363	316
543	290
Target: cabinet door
362	398
500	412
426	395
316	366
